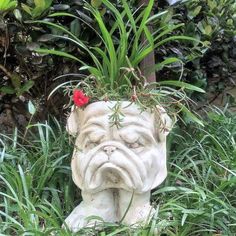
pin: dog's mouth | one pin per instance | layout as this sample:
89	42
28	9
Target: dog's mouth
121	170
111	174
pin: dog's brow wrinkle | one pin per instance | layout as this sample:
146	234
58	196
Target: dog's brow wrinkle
135	115
143	131
128	123
93	123
96	113
87	130
147	135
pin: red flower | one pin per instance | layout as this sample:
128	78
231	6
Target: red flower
79	98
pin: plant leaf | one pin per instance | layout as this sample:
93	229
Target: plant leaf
26	8
7	90
58	53
16	80
182	85
31	108
189	114
96	3
75	27
28	85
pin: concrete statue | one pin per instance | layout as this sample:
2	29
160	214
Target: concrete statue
116	166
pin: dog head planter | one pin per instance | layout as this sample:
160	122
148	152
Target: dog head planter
114	165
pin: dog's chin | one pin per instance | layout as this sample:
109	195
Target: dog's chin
120	170
110	175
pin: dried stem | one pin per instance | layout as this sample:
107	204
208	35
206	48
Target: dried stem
5	71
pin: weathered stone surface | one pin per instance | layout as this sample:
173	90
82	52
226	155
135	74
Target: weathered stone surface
114	165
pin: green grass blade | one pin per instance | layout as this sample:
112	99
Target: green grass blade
144	15
189	114
170	29
58	53
162	64
173	38
109	46
130	16
181	84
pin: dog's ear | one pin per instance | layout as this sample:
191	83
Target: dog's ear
72	124
163	123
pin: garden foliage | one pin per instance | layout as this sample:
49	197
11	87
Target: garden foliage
31	74
44	44
197	198
213	22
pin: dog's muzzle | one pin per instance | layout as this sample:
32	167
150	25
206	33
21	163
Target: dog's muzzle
111	165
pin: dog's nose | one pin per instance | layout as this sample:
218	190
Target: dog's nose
109	149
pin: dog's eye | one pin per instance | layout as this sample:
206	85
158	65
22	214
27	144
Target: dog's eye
91	145
134	145
137	147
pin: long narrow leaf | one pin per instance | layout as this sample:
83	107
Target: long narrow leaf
58	53
189	114
63	29
106	62
145	14
154	17
73	39
173	38
160	65
166	32
108	44
122	49
130	16
182	85
167	61
94	58
62	14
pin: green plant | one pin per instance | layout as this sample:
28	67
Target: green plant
16	86
24	75
31	179
211	68
114	72
201	182
197	198
39	8
213	22
7	5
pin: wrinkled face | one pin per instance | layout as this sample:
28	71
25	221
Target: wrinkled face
129	157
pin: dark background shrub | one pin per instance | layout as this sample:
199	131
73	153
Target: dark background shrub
26	75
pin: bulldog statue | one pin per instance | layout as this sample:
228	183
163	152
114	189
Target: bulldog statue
117	166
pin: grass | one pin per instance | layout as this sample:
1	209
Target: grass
197	198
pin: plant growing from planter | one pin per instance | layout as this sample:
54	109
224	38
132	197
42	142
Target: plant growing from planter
119	120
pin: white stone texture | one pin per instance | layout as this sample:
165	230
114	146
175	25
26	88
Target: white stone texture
116	167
